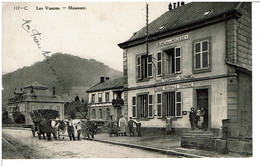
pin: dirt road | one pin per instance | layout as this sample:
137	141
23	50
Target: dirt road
21	144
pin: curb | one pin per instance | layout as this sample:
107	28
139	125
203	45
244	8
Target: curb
168	152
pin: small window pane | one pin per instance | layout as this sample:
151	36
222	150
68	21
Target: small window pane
178	97
178	52
178	109
178	64
159	56
150	69
205	59
149	58
139	72
134	100
197	47
159	98
159	70
197	59
159	109
150	99
134	112
205	46
139	60
150	110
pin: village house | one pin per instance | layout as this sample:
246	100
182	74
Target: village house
199	55
34	97
106	99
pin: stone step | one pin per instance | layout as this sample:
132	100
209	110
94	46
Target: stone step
198	133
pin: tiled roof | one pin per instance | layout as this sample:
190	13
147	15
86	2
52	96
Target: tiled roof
185	15
106	85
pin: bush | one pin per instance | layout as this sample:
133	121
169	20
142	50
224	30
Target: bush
6	119
18	117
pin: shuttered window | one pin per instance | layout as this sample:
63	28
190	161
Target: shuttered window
144	66
172	104
173	60
139	67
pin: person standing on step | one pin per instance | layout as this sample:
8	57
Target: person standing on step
192	118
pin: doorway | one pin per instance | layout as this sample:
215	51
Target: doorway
203	102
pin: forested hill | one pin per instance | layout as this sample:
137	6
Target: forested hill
70	72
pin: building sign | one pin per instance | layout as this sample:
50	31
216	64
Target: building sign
173	87
174	40
177	78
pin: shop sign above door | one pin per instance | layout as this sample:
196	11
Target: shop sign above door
173	87
177	78
174	40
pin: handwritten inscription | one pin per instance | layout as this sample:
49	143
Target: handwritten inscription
174	40
60	8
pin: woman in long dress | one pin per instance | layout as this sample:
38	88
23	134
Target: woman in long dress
122	125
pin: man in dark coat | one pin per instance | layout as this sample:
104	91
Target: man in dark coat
131	127
71	129
192	118
138	128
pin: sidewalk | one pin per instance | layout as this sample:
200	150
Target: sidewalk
160	142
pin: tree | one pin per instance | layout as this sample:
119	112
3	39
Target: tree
18	117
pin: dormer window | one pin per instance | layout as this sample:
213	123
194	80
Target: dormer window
207	13
162	27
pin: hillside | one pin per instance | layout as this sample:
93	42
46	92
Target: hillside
73	74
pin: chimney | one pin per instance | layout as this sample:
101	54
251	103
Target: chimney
178	4
107	78
174	5
170	6
31	89
182	3
53	90
21	89
102	79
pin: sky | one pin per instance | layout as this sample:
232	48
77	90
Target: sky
92	33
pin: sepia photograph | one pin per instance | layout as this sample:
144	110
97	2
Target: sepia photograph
119	80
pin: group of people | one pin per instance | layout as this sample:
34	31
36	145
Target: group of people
198	118
87	128
122	127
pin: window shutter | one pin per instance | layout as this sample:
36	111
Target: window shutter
138	106
159	63
178	60
163	105
178	104
163	63
150	105
138	67
149	66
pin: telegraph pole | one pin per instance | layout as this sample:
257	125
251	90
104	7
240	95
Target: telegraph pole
147	33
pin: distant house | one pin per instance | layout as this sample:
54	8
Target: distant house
33	97
106	99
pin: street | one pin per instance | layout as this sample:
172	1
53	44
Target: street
19	144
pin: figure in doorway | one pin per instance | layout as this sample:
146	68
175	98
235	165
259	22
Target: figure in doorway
204	113
198	118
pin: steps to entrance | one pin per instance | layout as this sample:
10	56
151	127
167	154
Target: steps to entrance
198	133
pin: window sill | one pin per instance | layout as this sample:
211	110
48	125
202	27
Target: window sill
196	71
170	75
143	80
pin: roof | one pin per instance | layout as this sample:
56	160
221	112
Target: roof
36	85
106	85
184	16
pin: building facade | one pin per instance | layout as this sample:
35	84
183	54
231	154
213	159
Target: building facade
34	97
199	55
106	99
